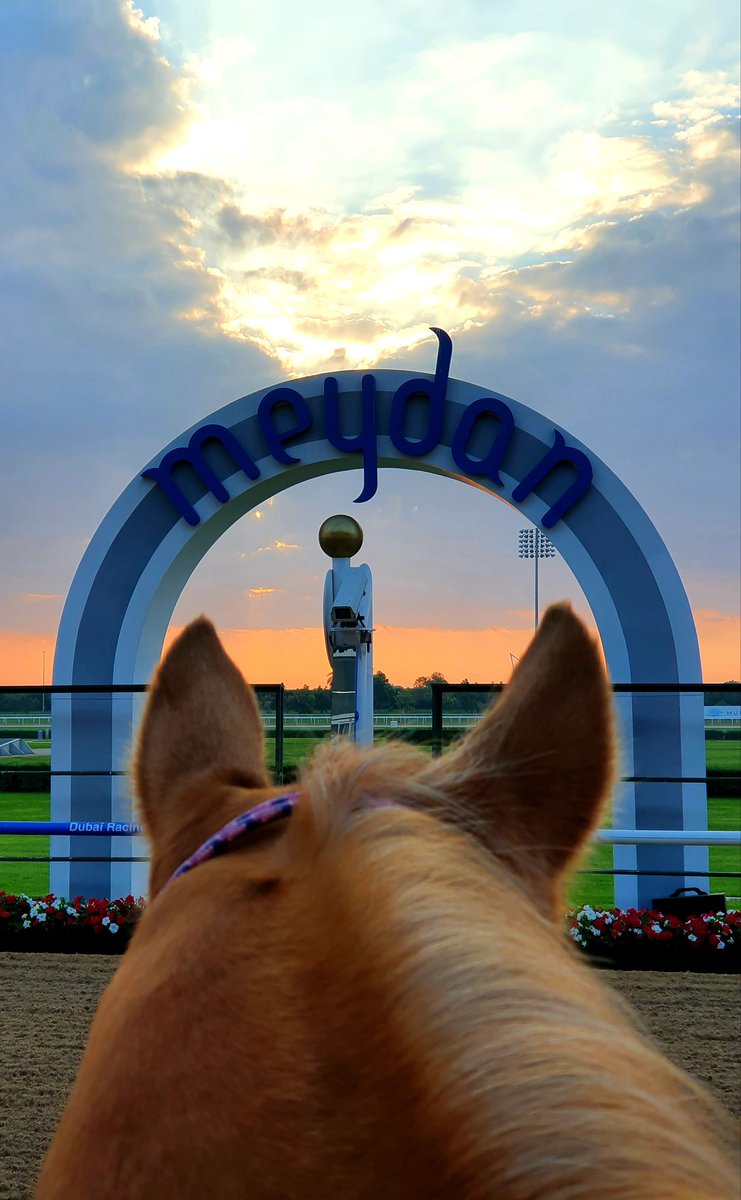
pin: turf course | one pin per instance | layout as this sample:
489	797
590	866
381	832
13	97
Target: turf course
598	890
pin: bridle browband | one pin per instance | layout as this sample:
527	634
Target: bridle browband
276	809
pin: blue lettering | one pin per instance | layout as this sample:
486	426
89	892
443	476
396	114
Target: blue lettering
491	462
277	430
192	454
558	453
274	438
435	392
363	442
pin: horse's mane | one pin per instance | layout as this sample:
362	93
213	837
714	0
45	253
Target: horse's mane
458	955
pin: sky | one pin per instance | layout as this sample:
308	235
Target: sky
200	200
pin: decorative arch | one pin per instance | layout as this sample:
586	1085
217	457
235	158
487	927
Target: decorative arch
129	580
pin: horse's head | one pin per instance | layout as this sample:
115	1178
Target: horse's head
373	997
528	784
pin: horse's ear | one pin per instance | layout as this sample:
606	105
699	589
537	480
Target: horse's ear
530	780
201	717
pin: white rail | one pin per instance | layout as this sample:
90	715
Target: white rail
417	719
670	837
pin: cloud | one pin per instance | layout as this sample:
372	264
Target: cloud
92	81
277	546
352	284
108	345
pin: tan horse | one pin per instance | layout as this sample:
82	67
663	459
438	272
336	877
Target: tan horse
374	997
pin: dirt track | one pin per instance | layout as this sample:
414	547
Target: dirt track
48	1001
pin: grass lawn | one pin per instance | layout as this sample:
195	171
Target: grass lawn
31	878
724	756
295	750
725	813
598	890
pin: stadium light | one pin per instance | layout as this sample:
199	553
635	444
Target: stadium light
531	543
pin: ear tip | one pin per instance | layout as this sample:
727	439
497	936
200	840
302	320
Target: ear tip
198	629
197	637
559	610
561	618
561	621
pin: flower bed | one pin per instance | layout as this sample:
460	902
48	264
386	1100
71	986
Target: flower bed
643	939
59	926
635	939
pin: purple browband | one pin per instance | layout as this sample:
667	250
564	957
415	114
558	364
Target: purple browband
263	814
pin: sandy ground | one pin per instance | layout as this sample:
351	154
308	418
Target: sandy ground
47	1002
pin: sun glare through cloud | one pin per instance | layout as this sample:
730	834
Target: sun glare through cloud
335	276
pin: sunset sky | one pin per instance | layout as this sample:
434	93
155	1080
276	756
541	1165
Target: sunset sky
202	199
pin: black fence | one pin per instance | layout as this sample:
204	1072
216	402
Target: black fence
271	691
272	699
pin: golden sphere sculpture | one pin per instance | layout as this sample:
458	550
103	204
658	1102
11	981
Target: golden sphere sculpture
340	536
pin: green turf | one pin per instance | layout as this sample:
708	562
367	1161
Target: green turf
42	761
295	750
724	755
31	878
724	812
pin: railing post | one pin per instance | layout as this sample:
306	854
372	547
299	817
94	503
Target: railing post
279	699
437	718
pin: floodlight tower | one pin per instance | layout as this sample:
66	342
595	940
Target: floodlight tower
534	544
348	630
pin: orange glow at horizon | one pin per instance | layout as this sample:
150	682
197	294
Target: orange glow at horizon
296	656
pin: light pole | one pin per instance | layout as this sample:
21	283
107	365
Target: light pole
531	543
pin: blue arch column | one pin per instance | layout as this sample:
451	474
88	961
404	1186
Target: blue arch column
126	587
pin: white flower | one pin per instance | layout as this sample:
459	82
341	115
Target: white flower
26	923
41	916
608	918
692	937
70	911
721	946
106	920
589	912
656	927
113	928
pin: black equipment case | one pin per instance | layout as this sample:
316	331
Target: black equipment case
679	905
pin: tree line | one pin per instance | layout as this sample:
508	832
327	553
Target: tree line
387	697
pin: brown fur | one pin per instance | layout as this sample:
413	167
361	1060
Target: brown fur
371	1001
